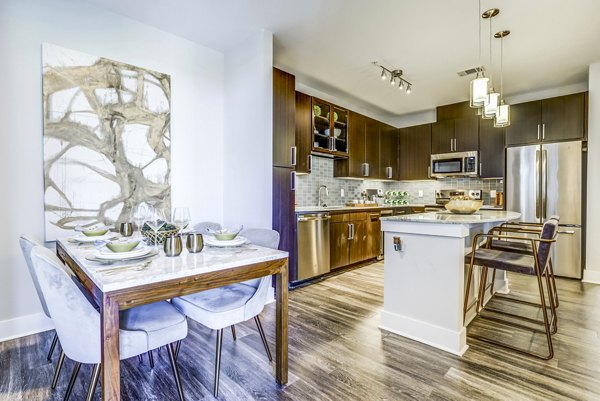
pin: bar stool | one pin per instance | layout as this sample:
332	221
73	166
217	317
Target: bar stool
535	264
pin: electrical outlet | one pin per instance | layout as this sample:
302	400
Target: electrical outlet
342	192
493	193
420	193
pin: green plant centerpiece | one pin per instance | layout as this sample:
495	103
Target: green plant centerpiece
158	237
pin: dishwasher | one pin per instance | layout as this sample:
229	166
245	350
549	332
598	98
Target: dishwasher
313	245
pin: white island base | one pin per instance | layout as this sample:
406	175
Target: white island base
424	281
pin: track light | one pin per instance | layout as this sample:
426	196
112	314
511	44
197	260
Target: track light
392	81
401	85
408	89
383	75
395	76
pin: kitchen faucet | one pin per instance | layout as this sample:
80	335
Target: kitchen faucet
319	196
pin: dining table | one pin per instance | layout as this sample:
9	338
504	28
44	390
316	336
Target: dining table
120	285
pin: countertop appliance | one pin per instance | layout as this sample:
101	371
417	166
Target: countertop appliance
544	180
456	164
313	245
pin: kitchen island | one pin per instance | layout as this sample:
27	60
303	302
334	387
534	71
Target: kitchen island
424	274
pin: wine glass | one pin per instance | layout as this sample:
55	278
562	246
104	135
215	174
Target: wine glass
155	220
181	217
138	215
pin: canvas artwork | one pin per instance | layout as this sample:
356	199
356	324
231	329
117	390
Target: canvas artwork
106	139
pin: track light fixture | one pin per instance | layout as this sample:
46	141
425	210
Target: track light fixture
395	76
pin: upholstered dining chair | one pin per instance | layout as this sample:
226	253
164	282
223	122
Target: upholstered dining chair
226	306
534	264
77	322
202	227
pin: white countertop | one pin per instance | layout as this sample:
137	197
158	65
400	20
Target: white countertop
166	268
341	208
481	217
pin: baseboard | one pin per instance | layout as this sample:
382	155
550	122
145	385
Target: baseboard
591	276
24	326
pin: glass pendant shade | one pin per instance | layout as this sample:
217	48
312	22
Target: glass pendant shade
502	118
490	109
479	91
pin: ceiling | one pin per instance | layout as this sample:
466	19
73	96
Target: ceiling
330	44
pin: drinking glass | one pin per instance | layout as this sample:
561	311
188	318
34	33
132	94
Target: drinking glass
181	217
138	215
155	220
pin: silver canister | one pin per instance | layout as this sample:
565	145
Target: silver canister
126	229
194	242
173	245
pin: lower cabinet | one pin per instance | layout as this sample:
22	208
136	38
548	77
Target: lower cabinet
354	238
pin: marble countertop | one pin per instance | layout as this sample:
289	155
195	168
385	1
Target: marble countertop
341	208
483	216
166	268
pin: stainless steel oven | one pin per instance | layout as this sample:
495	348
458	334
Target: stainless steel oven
457	164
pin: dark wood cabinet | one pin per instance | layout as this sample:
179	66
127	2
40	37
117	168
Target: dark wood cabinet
442	137
350	239
456	135
491	150
284	110
329	128
302	133
283	214
373	235
338	240
548	120
371	158
388	152
357	244
415	152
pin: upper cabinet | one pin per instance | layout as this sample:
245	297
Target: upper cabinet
549	120
329	128
388	152
303	137
415	151
491	150
455	135
284	110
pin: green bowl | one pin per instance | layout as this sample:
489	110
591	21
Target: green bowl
225	236
122	246
95	232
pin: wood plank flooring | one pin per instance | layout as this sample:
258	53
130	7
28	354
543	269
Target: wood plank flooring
337	352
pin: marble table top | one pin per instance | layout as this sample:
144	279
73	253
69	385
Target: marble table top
164	268
481	217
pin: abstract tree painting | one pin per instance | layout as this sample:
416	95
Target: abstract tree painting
106	139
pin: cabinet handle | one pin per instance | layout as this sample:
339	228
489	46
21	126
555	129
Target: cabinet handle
480	168
350	231
538	132
455	146
293	155
365	169
451	144
310	163
293	180
543	131
428	171
389	172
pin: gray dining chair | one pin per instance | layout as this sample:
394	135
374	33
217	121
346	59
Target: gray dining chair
77	322
226	306
202	227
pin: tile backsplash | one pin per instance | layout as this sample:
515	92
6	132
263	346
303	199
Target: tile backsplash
322	174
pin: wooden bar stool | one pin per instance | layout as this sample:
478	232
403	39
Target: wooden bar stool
535	264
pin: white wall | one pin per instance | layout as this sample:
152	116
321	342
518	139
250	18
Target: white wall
197	124
247	166
592	267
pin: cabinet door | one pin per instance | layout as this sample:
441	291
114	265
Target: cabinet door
321	125
525	123
358	243
340	130
466	134
388	152
491	150
563	117
338	239
356	142
283	214
415	152
372	148
284	111
303	136
373	225
442	136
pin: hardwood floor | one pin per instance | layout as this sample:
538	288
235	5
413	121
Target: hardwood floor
337	353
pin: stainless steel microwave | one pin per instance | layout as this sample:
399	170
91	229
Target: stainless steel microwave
457	164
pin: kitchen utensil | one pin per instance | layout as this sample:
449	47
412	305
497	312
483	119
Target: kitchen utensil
126	229
173	245
194	242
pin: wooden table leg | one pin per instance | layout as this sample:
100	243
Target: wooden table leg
281	337
109	329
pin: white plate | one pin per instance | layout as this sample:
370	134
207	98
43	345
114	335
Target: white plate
237	241
86	239
104	261
105	253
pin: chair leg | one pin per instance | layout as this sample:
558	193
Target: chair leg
482	282
52	347
175	371
93	383
72	381
554	291
177	349
554	321
61	359
140	358
233	332
466	302
218	361
545	314
151	358
493	281
263	337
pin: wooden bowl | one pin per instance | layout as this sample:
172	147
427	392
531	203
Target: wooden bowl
462	206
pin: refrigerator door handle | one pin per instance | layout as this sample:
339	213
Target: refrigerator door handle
537	184
544	183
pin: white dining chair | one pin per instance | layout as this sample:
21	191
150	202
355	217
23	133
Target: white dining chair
202	227
77	322
226	306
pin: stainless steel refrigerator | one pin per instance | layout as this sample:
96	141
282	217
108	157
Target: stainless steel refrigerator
545	180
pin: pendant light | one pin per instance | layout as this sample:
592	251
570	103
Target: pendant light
502	118
490	105
479	86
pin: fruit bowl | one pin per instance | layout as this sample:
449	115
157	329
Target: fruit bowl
463	206
159	236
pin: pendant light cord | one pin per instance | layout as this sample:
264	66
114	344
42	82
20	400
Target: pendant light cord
479	21
502	67
491	71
